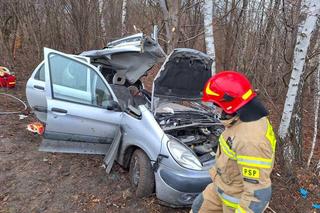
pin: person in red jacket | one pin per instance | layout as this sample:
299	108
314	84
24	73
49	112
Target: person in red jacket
245	156
6	78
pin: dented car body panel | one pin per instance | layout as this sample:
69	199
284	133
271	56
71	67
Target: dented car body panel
131	57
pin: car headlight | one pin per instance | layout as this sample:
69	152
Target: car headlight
183	155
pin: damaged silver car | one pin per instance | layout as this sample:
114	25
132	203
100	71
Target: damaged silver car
95	103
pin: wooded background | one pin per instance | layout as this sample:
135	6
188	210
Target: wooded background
268	40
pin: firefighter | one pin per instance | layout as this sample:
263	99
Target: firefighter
245	156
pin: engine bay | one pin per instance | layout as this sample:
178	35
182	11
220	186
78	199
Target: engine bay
199	131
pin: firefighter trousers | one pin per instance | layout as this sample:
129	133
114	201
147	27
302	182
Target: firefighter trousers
209	202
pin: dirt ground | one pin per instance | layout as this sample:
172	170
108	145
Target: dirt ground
33	181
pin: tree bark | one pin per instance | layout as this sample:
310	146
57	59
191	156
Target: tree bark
309	13
208	33
316	109
170	10
123	17
296	133
102	21
318	168
268	39
229	36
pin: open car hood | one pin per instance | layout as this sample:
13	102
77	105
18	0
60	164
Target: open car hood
183	75
131	56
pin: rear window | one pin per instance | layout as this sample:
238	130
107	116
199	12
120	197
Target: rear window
40	74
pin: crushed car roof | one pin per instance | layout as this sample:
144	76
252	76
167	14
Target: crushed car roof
131	56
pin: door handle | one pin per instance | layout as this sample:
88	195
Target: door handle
40	109
54	109
38	87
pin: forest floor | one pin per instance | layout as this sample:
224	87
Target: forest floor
33	181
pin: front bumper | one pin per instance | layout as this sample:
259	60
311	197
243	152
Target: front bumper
179	189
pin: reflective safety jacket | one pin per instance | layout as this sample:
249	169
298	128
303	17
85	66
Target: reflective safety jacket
244	161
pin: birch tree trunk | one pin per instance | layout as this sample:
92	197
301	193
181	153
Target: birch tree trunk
309	12
316	110
123	17
208	32
102	21
295	136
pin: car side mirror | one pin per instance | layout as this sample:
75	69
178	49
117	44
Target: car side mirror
113	105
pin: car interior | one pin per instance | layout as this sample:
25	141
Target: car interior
127	94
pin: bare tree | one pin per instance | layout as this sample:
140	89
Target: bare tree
316	108
102	20
170	10
208	25
123	17
309	12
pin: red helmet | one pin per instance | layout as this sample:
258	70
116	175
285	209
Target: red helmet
230	90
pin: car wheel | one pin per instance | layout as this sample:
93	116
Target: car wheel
141	174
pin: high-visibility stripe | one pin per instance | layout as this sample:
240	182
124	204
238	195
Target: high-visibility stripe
229	204
210	92
255	164
228	200
254	161
245	157
240	210
242	159
246	95
226	149
271	137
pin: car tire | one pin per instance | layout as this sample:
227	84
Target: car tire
141	174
